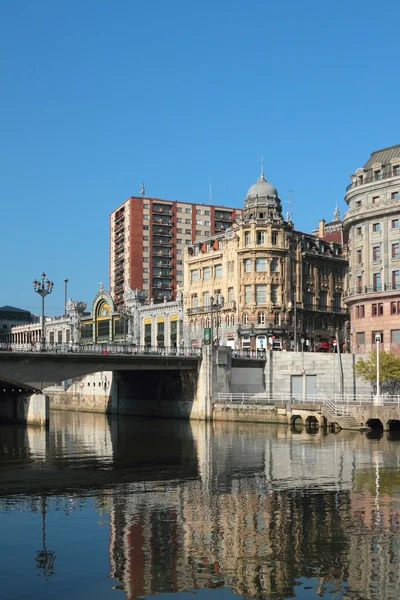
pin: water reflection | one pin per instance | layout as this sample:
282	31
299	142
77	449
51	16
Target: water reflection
260	510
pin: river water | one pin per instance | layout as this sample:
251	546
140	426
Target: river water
100	508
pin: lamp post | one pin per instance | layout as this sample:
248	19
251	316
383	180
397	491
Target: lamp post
65	296
378	383
43	288
216	304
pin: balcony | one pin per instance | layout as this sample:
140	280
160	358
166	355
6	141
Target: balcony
162	211
161	253
160	230
168	223
371	178
329	308
162	286
162	243
370	289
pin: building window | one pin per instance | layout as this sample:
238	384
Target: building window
247	265
194	275
360	311
396	280
219	245
376	254
195	301
260	237
179	220
261	293
375	199
378	175
261	264
188	211
395	195
359	284
51	337
179	273
377	309
188	221
358	231
276	319
376	282
59	337
218	271
231	294
376	227
247	238
68	336
274	265
274	238
247	294
395	223
360	338
396	170
179	241
206	273
245	319
274	294
206	298
359	257
396	250
261	318
395	336
322	300
160	335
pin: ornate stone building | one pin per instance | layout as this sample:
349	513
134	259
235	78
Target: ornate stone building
373	294
274	281
139	323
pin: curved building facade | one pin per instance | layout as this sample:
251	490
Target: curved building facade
373	294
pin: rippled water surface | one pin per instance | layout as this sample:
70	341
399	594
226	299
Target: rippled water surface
103	507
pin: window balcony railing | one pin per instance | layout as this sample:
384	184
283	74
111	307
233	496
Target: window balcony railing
385	173
162	211
372	289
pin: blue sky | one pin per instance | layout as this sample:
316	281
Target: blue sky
98	96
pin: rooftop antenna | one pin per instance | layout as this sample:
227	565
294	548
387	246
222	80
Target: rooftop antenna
142	189
210	198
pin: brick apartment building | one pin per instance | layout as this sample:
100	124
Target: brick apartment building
147	241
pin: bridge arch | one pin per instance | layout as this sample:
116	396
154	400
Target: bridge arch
312	422
296	420
375	424
393	425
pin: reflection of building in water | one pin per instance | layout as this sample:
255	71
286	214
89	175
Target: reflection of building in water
242	529
374	540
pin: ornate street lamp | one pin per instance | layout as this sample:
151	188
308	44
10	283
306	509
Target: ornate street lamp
216	304
43	288
65	296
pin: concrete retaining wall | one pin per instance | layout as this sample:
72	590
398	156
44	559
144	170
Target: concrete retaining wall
24	408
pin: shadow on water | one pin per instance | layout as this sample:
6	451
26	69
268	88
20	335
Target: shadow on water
89	451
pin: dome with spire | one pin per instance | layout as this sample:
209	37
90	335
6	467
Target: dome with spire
262	201
262	189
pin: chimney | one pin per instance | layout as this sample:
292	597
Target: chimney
321	228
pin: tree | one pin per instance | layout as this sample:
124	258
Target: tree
389	371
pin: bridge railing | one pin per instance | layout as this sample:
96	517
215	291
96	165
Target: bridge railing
105	349
316	399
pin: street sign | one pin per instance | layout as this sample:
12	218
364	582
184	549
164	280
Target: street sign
207	335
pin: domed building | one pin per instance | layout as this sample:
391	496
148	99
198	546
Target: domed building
263	284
